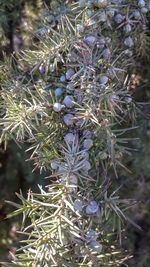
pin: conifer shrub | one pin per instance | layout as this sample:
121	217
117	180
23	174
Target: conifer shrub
71	99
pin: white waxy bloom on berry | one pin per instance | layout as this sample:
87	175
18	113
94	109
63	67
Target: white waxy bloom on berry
92	207
91	40
42	69
95	246
111	12
70	86
128	99
69	74
106	53
148	5
92	235
114	97
119	18
137	14
128	42
127	28
78	204
101	41
80	27
69	138
58	91
103	79
57	107
90	13
88	143
86	165
89	3
87	134
54	166
62	78
68	119
68	101
144	10
141	3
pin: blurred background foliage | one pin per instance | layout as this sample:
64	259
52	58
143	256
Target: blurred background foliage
18	20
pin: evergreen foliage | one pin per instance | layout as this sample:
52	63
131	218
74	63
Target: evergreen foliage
71	99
